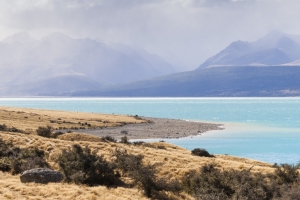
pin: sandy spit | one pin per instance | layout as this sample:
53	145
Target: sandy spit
158	128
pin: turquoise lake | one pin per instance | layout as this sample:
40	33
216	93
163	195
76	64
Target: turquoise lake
266	129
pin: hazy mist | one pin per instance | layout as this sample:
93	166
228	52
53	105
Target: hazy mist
184	32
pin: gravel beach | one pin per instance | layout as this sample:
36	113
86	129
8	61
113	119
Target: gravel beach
158	128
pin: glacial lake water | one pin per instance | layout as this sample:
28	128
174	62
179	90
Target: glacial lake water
266	129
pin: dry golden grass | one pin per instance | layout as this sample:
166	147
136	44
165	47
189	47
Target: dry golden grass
12	188
172	160
29	120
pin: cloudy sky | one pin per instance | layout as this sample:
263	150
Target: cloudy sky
184	32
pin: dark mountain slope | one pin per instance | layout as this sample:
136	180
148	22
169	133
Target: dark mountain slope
217	81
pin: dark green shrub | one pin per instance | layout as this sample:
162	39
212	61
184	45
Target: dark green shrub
212	183
144	176
83	166
124	140
201	152
56	134
289	193
138	143
16	160
127	162
286	173
108	138
3	127
44	131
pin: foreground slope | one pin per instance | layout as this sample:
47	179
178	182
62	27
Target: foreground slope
172	160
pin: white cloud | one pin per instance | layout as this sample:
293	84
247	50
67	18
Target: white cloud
185	32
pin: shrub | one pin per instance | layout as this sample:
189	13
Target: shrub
212	183
108	138
138	143
3	127
143	175
17	160
201	152
127	162
124	140
286	173
56	134
83	166
44	131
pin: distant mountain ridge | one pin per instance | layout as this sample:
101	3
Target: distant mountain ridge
269	66
276	48
224	81
58	65
25	61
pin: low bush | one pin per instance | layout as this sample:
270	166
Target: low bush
153	187
44	131
3	127
201	152
108	138
83	166
212	183
56	134
138	143
286	173
16	160
125	140
127	162
144	176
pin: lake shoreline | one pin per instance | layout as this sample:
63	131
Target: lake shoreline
158	128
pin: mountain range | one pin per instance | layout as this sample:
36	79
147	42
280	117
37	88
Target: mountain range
60	65
276	48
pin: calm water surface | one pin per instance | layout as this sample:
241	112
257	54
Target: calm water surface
265	129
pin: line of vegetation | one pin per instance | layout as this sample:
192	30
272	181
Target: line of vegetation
3	127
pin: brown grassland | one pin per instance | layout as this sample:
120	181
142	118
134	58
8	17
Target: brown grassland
173	161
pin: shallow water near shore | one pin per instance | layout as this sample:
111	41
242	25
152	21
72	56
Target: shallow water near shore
266	129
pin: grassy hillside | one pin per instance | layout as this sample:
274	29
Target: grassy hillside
172	162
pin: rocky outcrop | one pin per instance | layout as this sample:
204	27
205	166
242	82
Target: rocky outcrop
41	175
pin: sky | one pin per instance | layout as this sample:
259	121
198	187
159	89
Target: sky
183	32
